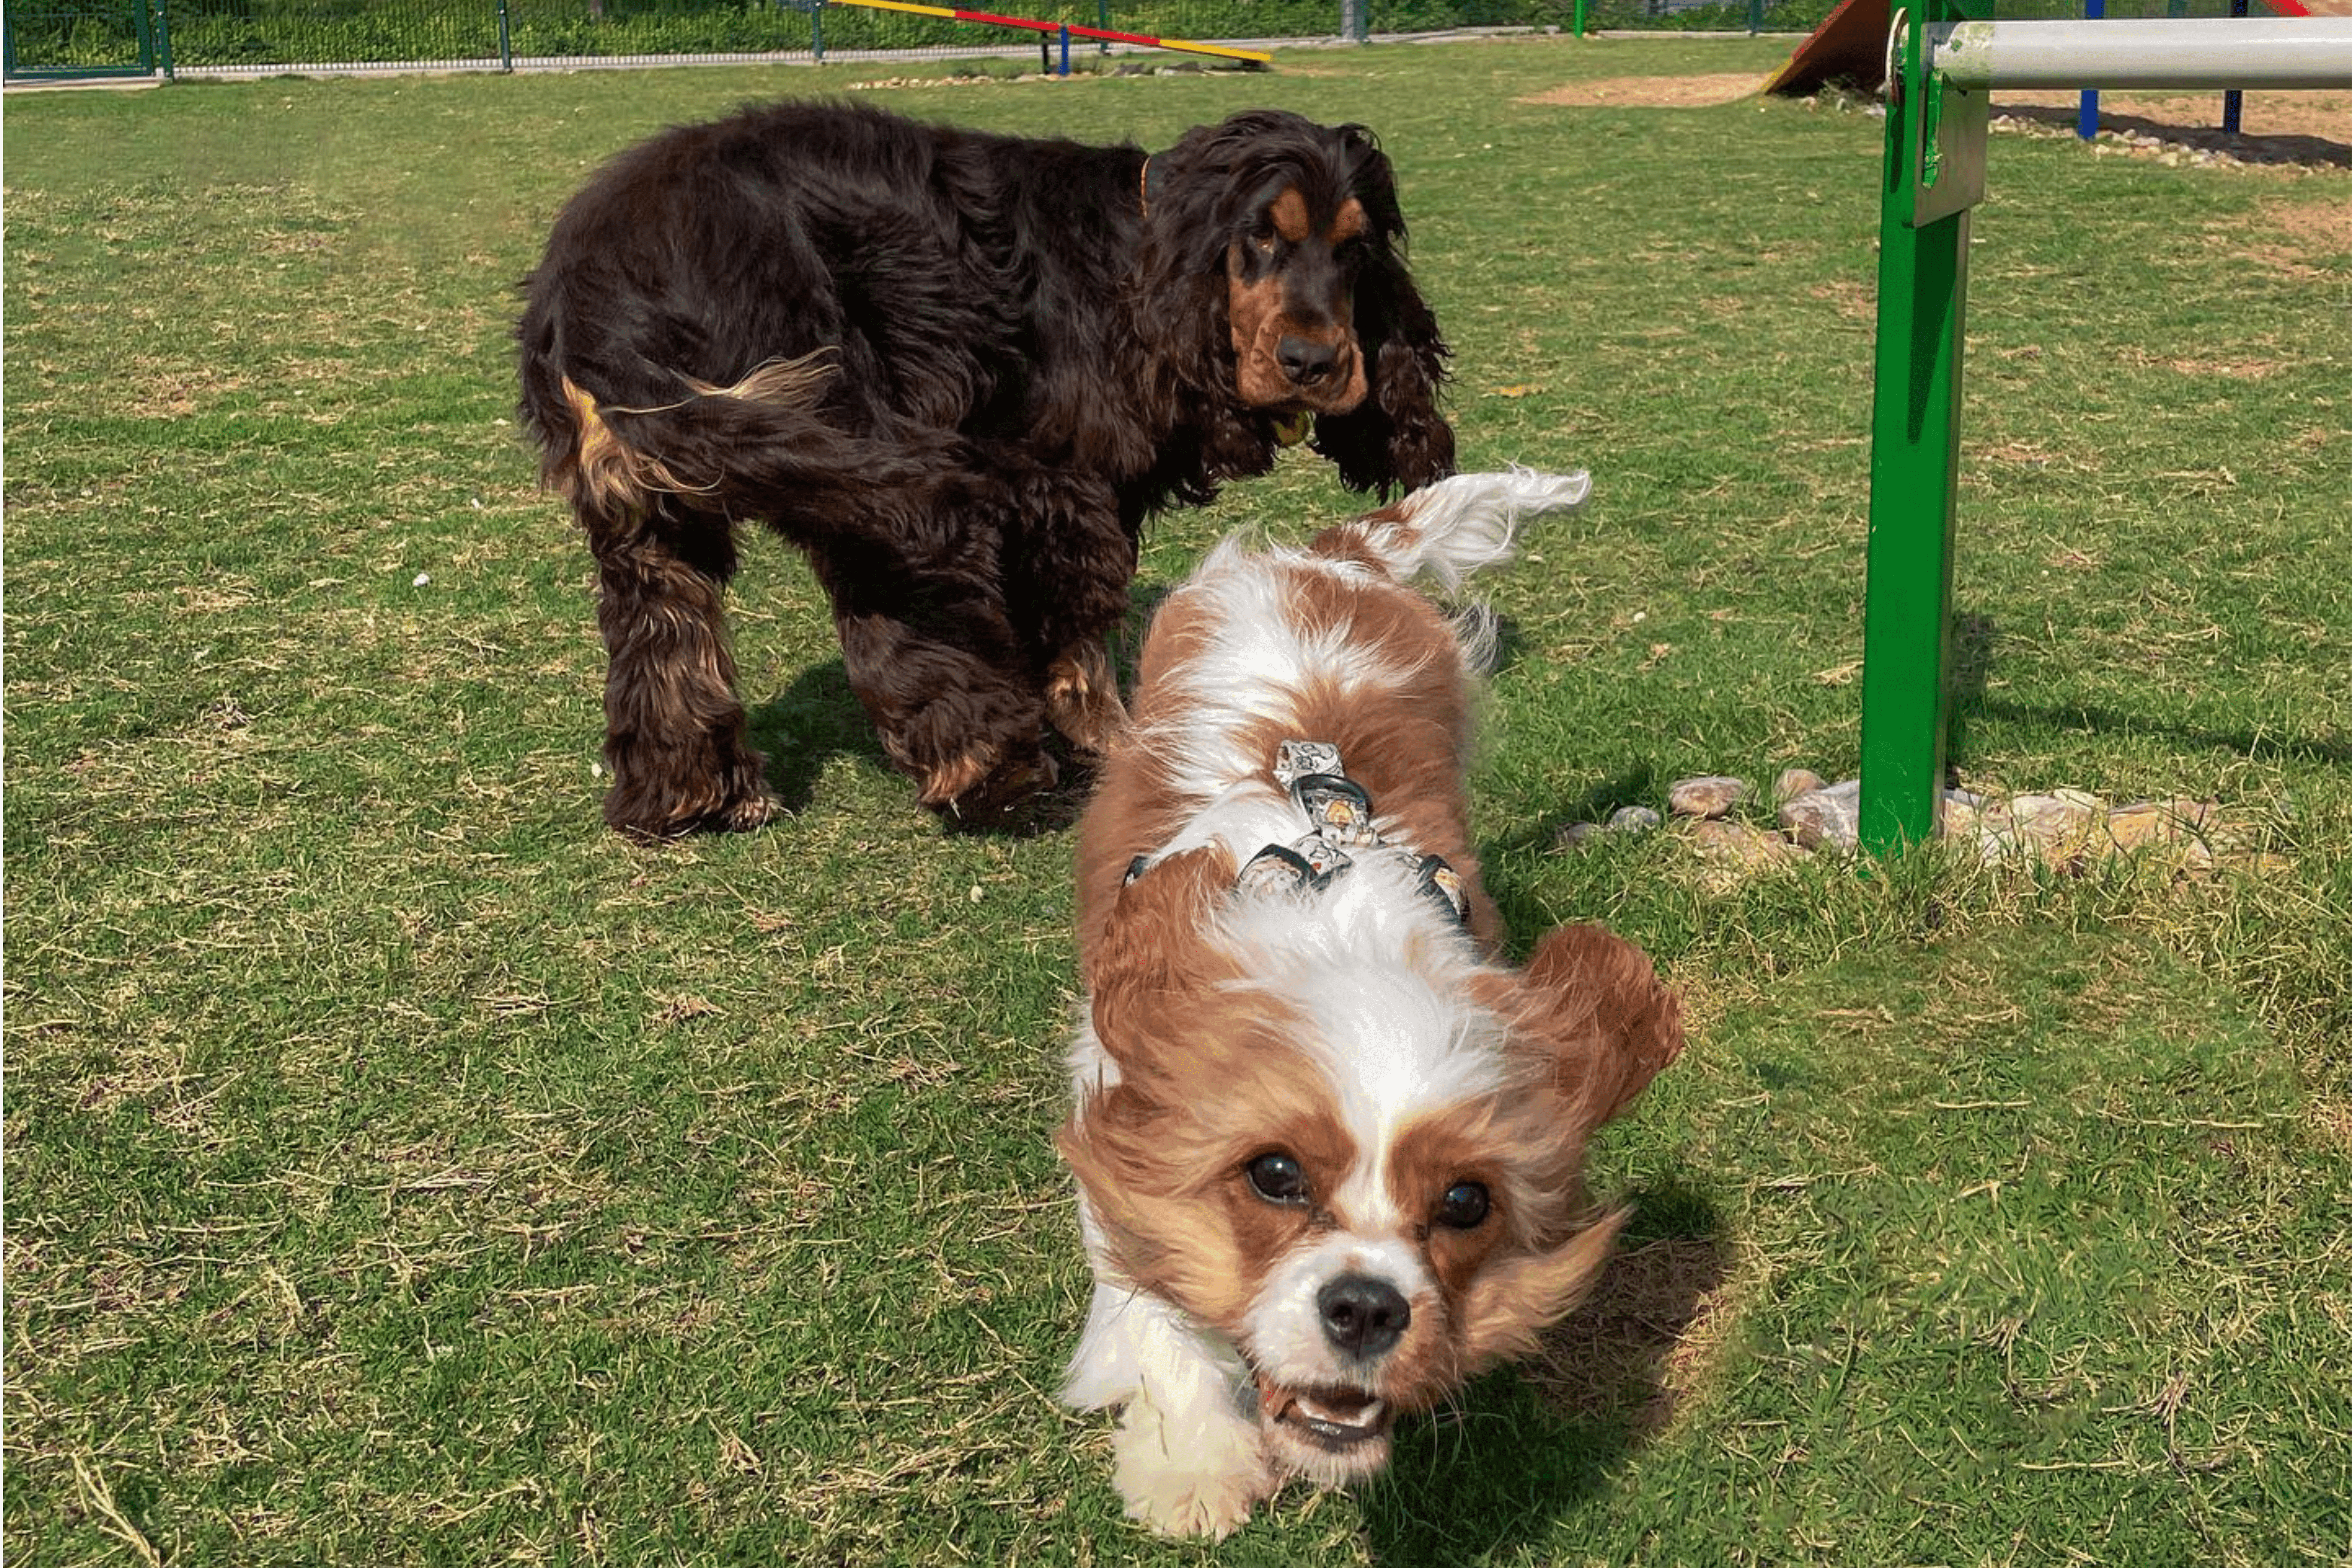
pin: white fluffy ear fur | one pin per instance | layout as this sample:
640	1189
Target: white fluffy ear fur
1463	524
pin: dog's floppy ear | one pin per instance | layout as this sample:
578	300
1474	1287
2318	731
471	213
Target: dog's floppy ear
1395	439
1592	1027
1194	197
1152	957
1511	1304
1598	1022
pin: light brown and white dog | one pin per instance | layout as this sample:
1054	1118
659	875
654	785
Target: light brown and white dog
1328	1145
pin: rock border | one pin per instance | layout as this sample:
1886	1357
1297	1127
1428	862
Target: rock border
2068	830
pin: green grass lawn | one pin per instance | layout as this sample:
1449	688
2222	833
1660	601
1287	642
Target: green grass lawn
400	1169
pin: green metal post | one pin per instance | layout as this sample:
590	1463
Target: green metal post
505	40
1933	174
1754	17
1579	18
162	26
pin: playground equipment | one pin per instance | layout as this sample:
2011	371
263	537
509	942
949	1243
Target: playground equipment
1939	66
1850	45
1068	30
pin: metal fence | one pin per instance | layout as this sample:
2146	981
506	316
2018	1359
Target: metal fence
53	38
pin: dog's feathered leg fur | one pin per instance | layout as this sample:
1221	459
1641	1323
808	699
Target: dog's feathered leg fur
1188	1457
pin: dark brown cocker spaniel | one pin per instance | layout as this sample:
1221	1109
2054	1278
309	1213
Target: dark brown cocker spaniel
958	371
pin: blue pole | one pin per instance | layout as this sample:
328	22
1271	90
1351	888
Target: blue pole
1065	69
2233	102
2086	118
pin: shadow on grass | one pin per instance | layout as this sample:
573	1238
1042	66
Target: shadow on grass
2265	149
812	721
1974	638
818	718
2335	750
1523	1447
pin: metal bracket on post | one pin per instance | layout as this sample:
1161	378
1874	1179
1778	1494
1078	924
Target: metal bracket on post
1946	138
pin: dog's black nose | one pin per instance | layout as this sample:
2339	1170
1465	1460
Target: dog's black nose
1362	1317
1306	361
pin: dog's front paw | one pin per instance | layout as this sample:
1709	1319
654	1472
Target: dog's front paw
1207	1488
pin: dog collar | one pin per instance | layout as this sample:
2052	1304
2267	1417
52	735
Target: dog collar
1341	833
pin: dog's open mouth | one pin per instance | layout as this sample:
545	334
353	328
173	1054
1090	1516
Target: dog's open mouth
1331	1419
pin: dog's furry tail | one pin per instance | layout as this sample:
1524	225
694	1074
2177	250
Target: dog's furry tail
1454	527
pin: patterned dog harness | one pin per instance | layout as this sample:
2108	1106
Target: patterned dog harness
1342	833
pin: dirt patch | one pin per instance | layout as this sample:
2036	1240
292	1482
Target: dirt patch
1653	92
2323	227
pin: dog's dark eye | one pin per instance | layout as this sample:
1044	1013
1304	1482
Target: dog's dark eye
1464	1206
1278	1179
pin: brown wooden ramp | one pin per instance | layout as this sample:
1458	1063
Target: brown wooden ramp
1849	46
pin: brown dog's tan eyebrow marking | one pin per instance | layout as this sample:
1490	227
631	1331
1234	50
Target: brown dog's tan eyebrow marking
1350	222
1289	214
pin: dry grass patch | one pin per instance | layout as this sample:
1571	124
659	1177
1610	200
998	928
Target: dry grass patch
1651	91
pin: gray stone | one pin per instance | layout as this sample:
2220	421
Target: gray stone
1632	819
1829	817
2160	822
1730	851
1576	835
1794	782
1708	797
2060	828
1962	814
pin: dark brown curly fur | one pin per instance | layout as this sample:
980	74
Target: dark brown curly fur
958	371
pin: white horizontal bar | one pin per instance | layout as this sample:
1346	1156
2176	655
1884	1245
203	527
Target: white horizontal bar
2191	52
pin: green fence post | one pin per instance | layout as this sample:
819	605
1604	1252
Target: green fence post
162	24
817	30
506	41
1933	174
1102	20
1754	17
1578	22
